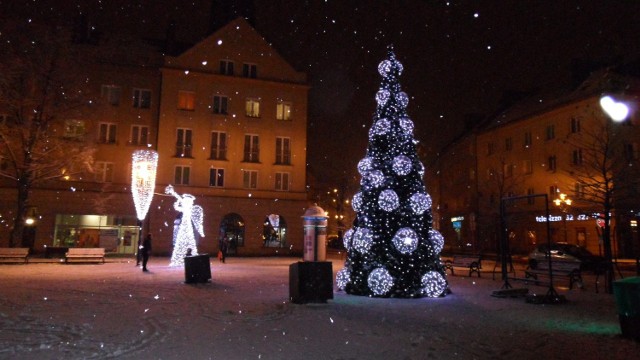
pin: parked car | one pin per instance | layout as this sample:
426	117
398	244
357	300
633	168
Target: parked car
335	242
562	251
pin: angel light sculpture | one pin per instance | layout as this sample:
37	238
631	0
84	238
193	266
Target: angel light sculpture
184	236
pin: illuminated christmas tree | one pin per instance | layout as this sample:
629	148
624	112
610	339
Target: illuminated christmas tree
393	251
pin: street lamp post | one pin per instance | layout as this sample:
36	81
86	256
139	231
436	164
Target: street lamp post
563	202
617	111
144	164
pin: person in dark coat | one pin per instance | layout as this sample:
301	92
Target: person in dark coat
146	251
138	253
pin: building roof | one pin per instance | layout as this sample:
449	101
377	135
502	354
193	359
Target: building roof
236	41
597	84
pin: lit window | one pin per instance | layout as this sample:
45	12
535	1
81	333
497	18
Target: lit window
74	129
186	100
252	108
283	111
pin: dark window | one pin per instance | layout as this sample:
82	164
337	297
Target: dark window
250	71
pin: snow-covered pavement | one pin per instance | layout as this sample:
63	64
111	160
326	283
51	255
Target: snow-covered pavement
114	310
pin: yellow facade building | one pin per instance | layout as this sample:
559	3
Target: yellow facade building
228	118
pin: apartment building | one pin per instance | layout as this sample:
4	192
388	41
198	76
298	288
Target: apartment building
535	151
228	118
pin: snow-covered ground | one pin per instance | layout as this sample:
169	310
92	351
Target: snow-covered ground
114	310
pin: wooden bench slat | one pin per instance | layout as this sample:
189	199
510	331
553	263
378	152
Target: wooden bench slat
14	255
85	254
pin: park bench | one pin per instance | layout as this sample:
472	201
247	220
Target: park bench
14	255
559	269
85	255
471	262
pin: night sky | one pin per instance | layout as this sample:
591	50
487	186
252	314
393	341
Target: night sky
460	57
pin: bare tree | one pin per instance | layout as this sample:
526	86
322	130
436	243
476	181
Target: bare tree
503	179
41	93
605	169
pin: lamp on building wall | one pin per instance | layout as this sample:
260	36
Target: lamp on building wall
144	164
563	202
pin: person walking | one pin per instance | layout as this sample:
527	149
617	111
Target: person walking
138	253
222	252
146	251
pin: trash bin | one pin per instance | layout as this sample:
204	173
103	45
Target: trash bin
627	294
197	269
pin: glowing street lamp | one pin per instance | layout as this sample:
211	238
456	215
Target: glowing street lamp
617	110
563	202
562	199
144	164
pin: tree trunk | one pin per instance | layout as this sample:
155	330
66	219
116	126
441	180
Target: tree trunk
17	233
608	254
